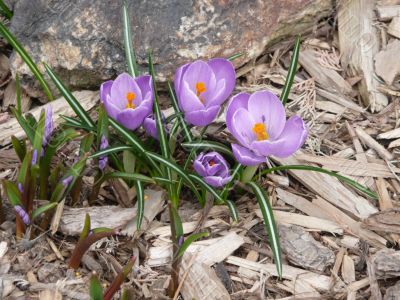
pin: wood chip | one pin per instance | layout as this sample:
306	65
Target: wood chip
386	13
384	221
392	134
373	282
112	216
373	144
359	42
387	263
302	250
386	67
10	97
87	99
348	270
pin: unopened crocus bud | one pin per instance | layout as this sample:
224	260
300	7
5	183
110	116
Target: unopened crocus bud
34	157
213	168
23	214
181	240
103	159
67	181
20	187
48	126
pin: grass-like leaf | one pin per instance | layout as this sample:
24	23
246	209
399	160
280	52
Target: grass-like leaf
42	209
270	224
95	288
345	179
179	115
12	192
129	51
291	72
234	56
208	145
140	203
110	150
5	11
72	101
28	129
128	176
26	58
217	196
192	238
19	147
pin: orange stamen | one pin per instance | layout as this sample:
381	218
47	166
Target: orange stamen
211	163
260	131
130	96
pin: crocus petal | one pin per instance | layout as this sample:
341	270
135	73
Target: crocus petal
188	101
200	71
217	181
105	90
224	69
242	127
265	147
111	109
246	157
266	108
202	117
219	95
149	124
198	165
178	77
145	84
293	137
123	85
133	118
238	101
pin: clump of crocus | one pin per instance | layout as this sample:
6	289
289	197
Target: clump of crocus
103	159
202	87
128	100
258	122
213	168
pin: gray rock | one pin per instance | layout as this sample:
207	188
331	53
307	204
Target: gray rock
82	39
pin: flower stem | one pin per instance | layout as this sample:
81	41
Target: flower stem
175	261
248	173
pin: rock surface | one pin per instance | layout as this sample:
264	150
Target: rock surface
82	39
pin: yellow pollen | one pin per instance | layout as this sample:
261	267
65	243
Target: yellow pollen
260	131
200	88
130	97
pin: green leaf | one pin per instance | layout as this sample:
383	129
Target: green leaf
192	238
128	176
174	167
72	101
18	92
129	51
86	144
102	125
270	224
234	56
129	161
291	72
179	115
86	228
5	11
95	289
39	132
140	203
12	192
26	58
25	168
111	150
42	209
19	147
177	222
347	180
208	145
137	145
217	196
29	130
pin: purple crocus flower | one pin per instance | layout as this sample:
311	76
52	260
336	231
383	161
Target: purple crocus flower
23	214
201	88
34	157
66	181
128	100
103	159
150	126
213	168
48	126
20	187
258	122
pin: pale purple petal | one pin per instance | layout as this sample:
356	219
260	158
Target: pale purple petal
23	214
265	107
293	137
123	85
188	101
133	118
178	77
218	97
48	127
238	101
213	168
217	181
200	71
202	117
111	109
103	159
223	70
66	181
20	187
242	127
145	84
149	124
105	90
246	157
34	157
198	165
